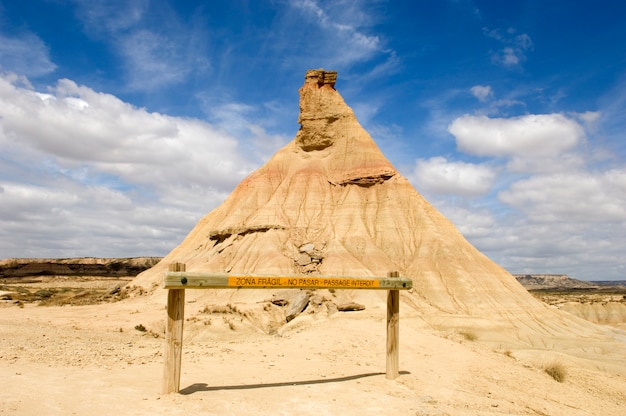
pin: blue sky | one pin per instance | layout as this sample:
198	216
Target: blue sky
124	122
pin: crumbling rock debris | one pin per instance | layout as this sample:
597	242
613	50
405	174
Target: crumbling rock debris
350	307
295	302
309	258
305	248
296	305
116	290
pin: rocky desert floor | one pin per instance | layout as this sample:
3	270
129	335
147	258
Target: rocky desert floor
96	350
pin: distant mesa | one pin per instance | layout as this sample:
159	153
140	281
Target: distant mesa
84	266
552	281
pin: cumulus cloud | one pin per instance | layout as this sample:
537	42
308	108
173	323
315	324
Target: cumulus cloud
72	156
556	210
78	125
440	176
534	135
571	197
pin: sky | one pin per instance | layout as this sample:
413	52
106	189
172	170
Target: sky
122	123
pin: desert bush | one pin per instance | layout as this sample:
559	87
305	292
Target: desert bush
468	335
209	309
229	322
556	370
140	328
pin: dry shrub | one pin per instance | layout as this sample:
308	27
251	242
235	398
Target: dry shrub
556	370
468	335
209	309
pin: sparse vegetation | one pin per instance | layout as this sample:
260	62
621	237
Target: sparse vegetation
140	328
76	292
209	309
229	322
468	335
556	370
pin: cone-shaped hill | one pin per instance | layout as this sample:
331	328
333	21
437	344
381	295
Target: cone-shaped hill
330	203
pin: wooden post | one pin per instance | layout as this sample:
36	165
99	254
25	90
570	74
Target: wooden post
393	330
174	335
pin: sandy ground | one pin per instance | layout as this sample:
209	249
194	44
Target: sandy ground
83	360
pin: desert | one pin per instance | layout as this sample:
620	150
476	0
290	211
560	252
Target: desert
83	359
473	340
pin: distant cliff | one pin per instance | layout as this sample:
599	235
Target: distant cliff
86	266
552	281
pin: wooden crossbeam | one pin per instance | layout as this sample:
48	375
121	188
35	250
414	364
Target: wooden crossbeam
195	280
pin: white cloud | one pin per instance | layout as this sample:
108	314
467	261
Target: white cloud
546	164
571	197
514	52
26	55
111	15
509	57
151	60
438	175
534	135
523	41
78	125
475	223
589	117
557	211
343	24
482	92
77	164
155	56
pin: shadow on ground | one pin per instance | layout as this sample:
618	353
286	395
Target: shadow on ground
198	387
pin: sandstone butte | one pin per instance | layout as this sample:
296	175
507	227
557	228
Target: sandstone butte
330	203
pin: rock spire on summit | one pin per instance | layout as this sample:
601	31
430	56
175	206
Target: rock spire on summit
321	77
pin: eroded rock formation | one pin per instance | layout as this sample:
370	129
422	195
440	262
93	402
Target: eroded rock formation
330	203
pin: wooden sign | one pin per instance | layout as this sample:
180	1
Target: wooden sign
177	280
195	280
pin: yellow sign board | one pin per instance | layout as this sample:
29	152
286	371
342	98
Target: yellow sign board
304	282
198	280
